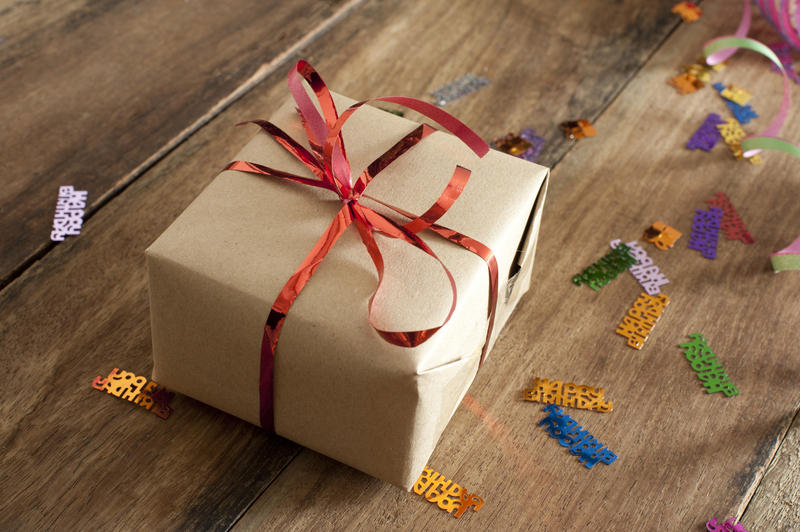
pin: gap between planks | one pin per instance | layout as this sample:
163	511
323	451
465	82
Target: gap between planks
261	74
751	493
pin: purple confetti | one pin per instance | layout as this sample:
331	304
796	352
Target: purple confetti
707	135
537	143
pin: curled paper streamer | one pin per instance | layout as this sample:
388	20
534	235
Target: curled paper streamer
788	258
719	49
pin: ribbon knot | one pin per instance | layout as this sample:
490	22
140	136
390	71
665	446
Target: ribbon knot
327	161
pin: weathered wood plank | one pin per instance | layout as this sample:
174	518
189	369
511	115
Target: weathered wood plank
82	310
776	503
684	456
92	90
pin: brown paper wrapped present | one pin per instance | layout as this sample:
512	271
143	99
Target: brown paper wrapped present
339	388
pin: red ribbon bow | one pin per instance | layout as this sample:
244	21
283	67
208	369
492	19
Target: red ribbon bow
327	160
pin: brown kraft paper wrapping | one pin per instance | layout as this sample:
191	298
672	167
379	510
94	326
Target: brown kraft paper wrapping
340	389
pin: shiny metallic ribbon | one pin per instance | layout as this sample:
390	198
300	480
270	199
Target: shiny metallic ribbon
327	160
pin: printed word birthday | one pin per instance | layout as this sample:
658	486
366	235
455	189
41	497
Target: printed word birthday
727	526
137	390
569	434
707	135
662	235
705	231
637	325
68	219
604	270
447	495
569	394
709	370
646	273
732	224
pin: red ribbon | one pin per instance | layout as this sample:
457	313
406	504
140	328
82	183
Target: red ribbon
327	160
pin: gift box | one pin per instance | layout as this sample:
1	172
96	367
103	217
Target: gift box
339	387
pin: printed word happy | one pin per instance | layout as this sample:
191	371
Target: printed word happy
637	325
569	434
646	273
137	390
709	370
447	495
607	268
68	219
569	394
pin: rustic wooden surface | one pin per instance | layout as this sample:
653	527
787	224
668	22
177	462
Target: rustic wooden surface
74	458
92	91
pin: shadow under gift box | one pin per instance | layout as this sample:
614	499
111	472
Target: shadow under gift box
340	389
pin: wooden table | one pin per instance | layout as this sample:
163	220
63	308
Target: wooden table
136	101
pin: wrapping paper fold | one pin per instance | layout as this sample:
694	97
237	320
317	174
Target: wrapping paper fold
339	388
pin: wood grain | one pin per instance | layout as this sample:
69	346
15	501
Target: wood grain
685	456
73	457
92	90
776	503
82	310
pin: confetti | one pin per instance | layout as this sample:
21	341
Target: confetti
527	145
569	434
788	258
452	496
699	71
709	370
705	231
137	390
742	113
644	271
569	394
607	268
688	11
732	224
68	219
686	83
707	135
728	526
458	88
577	129
735	94
637	325
662	235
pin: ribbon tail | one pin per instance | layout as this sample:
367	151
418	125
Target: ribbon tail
280	308
372	221
483	252
260	169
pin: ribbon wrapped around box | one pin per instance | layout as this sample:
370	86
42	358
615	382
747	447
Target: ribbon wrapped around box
451	266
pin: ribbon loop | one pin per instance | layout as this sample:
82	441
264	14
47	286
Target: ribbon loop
327	160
